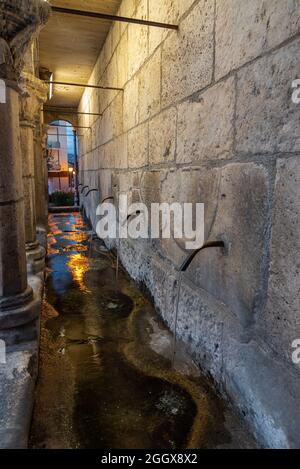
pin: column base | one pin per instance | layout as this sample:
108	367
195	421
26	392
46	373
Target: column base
41	234
18	315
35	255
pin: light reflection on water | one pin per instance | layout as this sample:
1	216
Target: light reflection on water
78	264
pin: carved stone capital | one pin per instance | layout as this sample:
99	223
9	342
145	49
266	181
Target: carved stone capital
33	94
19	21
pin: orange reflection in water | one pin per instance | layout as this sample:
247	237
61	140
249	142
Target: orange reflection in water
79	265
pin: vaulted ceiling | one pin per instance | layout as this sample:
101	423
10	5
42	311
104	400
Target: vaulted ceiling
69	46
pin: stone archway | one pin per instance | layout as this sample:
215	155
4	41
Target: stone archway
61	147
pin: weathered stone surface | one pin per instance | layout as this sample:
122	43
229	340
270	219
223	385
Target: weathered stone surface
112	120
164	11
138	41
122	60
27	149
162	137
187	56
127	9
280	321
194	185
17	381
265	391
121	152
246	29
131	104
11	187
138	145
240	220
150	87
13	273
205	125
16	32
267	119
199	326
150	184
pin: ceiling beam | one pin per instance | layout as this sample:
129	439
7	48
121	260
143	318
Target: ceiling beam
103	16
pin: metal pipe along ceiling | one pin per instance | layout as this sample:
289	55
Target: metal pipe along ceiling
103	16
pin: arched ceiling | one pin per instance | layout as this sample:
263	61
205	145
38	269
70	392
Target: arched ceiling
70	45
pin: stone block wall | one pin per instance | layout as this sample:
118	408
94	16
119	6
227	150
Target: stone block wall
207	116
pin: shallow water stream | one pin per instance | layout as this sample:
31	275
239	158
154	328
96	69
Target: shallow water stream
106	378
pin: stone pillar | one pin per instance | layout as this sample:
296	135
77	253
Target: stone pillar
34	251
18	308
41	182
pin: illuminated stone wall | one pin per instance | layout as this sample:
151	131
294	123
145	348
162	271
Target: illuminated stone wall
207	116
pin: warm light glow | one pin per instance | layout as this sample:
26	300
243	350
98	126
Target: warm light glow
51	86
79	265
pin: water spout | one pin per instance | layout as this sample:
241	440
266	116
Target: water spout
83	189
211	244
91	190
110	197
183	268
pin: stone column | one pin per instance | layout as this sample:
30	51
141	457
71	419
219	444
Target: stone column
29	107
18	308
41	182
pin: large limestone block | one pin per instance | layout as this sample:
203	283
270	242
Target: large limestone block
151	187
112	120
121	152
163	11
190	185
131	104
244	30
236	203
187	57
162	137
280	322
150	87
267	118
205	125
138	145
138	40
127	9
122	60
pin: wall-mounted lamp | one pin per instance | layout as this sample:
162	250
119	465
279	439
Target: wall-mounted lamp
51	86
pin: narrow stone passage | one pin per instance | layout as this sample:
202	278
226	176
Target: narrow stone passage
105	377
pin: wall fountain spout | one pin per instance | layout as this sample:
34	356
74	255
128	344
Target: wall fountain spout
91	190
210	244
183	268
110	197
83	189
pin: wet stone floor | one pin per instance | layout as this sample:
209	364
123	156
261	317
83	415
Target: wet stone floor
106	379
